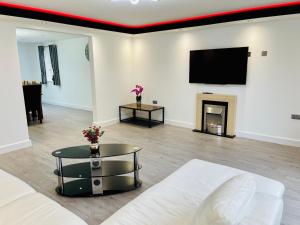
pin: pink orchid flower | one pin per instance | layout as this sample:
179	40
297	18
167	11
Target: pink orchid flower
138	90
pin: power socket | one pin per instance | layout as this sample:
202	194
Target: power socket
295	117
264	53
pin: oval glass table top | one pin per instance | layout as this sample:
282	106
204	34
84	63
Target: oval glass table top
106	150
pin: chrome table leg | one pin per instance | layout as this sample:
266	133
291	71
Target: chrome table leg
60	174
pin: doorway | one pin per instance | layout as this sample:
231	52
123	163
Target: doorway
71	99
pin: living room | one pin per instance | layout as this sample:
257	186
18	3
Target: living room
265	114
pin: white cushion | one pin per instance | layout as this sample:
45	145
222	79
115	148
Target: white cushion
228	203
263	209
20	204
12	188
37	209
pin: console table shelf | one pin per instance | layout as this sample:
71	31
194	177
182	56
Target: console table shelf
141	121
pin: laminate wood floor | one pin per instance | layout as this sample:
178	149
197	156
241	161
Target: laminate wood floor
165	148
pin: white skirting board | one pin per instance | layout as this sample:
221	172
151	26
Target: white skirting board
106	123
269	138
180	124
67	105
244	134
15	146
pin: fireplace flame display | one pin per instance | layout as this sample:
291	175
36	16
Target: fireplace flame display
215	117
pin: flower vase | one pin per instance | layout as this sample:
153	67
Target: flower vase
94	147
139	100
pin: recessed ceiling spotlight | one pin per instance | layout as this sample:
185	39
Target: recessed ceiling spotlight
134	2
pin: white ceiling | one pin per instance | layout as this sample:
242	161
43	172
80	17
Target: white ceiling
40	36
144	12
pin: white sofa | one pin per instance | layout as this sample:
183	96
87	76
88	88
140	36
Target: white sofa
20	204
175	200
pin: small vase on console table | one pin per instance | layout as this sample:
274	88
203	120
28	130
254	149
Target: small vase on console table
139	100
138	90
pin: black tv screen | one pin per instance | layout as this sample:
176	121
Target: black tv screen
219	66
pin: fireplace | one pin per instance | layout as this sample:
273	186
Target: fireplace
214	119
215	114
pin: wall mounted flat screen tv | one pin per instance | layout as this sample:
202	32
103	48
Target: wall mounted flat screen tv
219	66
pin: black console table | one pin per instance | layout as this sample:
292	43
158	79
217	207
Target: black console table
149	122
96	176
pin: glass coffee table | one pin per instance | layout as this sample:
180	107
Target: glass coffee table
100	174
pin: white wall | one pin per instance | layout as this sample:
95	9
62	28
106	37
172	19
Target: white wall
113	75
29	64
13	126
265	104
75	74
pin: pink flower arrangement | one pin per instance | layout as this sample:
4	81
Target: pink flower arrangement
138	90
92	134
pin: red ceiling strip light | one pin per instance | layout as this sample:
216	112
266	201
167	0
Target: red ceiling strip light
63	14
156	24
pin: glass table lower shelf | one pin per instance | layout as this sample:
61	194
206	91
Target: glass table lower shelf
107	169
111	185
